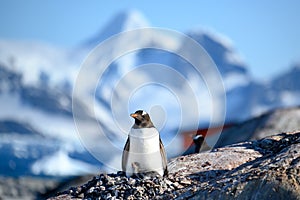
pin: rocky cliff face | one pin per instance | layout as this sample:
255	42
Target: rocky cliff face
268	168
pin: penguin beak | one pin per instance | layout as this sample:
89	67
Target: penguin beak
134	115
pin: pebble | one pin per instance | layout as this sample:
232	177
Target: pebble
102	188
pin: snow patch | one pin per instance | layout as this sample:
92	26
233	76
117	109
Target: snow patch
290	98
59	127
60	164
233	80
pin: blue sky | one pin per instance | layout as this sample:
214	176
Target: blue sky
265	32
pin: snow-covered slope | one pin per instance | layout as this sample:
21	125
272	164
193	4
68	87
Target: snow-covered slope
37	60
281	91
233	70
35	122
287	87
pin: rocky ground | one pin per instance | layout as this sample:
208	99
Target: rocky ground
24	188
268	168
28	187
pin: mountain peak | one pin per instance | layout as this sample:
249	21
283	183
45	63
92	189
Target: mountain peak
213	35
123	21
131	19
221	49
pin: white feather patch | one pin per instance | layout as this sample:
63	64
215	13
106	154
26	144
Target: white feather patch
144	149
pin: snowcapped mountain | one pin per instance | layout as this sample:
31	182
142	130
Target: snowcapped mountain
35	122
282	91
233	70
37	128
123	21
287	87
36	60
222	52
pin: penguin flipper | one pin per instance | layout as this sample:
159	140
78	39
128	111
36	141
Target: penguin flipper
125	155
164	157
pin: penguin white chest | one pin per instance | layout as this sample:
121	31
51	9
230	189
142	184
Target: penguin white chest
144	150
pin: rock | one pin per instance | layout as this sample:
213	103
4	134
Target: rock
271	176
25	187
276	121
217	160
263	169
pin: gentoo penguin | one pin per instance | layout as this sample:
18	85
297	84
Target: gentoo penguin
144	147
198	140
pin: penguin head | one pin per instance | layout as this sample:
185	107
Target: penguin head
142	119
198	139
